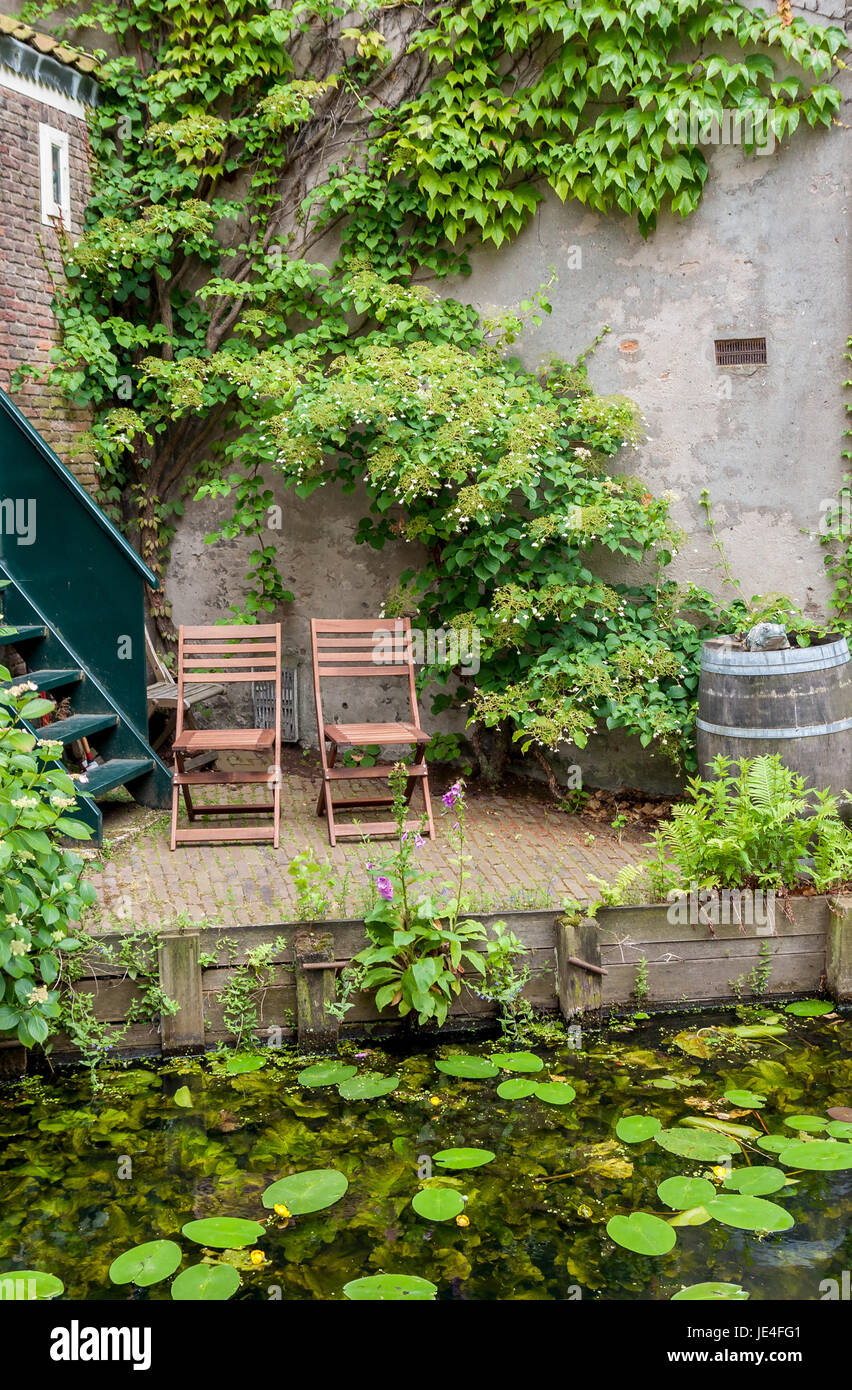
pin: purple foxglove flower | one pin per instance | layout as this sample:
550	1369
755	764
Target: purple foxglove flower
385	888
451	797
419	842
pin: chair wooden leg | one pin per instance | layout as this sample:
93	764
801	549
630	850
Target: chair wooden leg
276	814
428	803
175	805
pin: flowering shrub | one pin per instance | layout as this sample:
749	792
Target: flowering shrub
43	892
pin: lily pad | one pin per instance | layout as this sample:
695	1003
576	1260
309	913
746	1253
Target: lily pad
518	1061
701	1145
223	1232
641	1232
465	1158
839	1129
515	1088
747	1100
241	1063
755	1182
24	1285
438	1203
774	1143
555	1092
313	1190
693	1216
811	1124
710	1293
386	1288
683	1193
818	1155
326	1074
749	1213
840	1112
205	1284
367	1087
146	1264
810	1008
476	1068
634	1129
183	1098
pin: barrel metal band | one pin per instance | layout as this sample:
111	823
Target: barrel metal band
761	667
809	731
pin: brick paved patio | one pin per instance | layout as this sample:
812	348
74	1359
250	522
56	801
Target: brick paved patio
526	853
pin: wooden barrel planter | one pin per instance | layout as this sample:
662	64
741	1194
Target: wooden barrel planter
797	703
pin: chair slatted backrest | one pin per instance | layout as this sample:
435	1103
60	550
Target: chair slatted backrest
377	647
230	655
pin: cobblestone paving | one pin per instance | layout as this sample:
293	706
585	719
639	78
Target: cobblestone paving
525	853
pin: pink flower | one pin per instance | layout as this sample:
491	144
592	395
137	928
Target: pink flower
385	888
453	795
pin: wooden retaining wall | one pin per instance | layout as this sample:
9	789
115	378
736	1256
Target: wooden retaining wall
628	957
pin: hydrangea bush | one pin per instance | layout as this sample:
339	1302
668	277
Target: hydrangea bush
43	890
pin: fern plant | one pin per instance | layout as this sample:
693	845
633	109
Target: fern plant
757	823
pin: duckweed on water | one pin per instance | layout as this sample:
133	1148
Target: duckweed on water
693	1160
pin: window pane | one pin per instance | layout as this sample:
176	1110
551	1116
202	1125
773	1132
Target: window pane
56	173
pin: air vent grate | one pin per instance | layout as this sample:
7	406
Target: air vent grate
740	352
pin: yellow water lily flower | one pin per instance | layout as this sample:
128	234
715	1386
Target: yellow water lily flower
462	1220
257	1257
280	1209
434	1100
720	1172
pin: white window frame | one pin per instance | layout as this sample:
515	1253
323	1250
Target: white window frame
49	139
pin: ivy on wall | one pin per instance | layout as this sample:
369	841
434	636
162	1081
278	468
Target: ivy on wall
213	349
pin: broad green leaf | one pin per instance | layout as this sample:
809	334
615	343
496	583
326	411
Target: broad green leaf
385	1288
224	1232
682	1193
635	1129
465	1158
326	1074
478	1068
205	1284
312	1190
146	1264
438	1203
367	1087
710	1293
749	1213
641	1232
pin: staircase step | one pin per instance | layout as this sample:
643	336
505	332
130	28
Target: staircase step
25	633
78	726
49	680
104	776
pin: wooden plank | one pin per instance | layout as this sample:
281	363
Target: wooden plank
731	948
180	979
681	982
139	1038
276	1008
357	624
215	833
111	997
217	632
648	924
315	990
579	990
213	981
838	950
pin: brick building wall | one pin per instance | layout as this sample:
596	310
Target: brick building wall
30	259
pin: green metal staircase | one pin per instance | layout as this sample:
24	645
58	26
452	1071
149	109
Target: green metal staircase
74	611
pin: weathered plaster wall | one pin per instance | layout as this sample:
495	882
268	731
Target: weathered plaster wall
767	253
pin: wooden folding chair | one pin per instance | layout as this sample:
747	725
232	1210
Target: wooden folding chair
229	655
348	647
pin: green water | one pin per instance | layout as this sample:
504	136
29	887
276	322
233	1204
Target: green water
86	1174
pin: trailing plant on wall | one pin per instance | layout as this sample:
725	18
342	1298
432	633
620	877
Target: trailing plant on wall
836	532
232	137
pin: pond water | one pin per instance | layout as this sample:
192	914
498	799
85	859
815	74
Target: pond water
86	1174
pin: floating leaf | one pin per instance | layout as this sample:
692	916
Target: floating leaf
840	1112
719	1126
811	1124
183	1098
476	1068
748	1100
755	1182
240	1063
634	1129
682	1193
810	1008
515	1088
758	1030
146	1264
390	1288
313	1190
710	1293
205	1284
438	1203
695	1044
326	1074
555	1092
749	1213
465	1158
641	1232
223	1232
818	1155
839	1129
24	1285
701	1145
367	1087
518	1061
774	1143
693	1216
